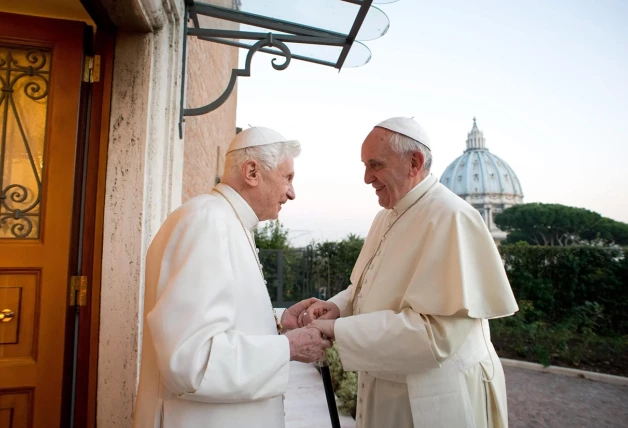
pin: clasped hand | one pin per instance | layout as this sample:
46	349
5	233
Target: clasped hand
302	319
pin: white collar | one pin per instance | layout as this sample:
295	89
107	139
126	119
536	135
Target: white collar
243	209
414	194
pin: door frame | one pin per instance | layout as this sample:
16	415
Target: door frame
95	138
79	392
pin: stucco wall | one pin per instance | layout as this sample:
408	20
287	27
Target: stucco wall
141	189
207	136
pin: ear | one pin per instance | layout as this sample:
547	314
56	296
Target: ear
251	172
416	163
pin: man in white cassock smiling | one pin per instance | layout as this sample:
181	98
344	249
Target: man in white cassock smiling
212	355
413	322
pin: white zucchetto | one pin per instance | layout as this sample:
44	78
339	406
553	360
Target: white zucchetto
256	136
408	127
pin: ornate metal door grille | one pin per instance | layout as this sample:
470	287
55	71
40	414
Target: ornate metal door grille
24	80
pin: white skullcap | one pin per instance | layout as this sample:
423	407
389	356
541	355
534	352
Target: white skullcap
256	136
408	127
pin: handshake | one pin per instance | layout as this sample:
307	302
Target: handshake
310	325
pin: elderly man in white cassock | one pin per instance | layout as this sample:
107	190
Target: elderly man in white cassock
213	352
413	322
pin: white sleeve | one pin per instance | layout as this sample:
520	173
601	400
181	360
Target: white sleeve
394	342
402	343
343	301
200	355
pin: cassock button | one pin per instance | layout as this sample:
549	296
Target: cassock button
362	384
371	267
360	415
360	400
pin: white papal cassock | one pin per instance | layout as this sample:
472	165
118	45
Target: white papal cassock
211	355
417	332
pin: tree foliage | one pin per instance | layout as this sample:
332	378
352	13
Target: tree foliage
608	231
559	225
333	263
272	236
285	268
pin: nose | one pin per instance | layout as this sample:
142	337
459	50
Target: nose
368	177
290	193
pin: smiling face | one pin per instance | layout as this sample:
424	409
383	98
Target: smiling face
391	175
274	189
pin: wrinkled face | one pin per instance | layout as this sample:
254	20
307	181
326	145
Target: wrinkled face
274	190
389	173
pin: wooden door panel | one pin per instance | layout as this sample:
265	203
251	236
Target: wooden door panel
18	294
11	297
15	409
40	77
29	255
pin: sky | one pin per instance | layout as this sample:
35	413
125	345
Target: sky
547	81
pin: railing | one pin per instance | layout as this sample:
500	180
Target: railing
289	274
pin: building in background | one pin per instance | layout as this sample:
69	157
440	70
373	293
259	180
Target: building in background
91	164
484	180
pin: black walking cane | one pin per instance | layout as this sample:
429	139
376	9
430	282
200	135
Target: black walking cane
323	366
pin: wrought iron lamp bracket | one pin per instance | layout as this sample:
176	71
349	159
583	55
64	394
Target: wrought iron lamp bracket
268	40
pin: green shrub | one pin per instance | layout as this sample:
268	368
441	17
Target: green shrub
573	341
565	284
345	383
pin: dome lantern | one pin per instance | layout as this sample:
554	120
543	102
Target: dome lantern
475	138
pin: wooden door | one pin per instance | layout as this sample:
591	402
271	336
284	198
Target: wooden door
40	81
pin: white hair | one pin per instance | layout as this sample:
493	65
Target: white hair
269	156
403	145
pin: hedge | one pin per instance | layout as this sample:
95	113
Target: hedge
560	282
